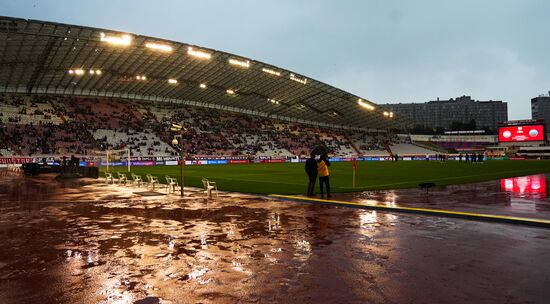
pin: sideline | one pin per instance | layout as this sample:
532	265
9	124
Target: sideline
437	212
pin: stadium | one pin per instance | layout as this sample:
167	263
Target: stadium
110	129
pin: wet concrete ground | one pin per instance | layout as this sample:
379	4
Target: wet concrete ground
524	196
76	242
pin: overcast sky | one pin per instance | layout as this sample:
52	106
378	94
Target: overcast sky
385	51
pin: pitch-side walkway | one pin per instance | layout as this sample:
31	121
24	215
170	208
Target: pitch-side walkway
87	242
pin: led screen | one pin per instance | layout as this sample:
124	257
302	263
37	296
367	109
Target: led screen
521	133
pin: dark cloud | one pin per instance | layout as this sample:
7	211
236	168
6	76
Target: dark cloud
386	51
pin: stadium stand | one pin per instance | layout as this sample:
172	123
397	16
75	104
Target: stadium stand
141	143
78	125
459	143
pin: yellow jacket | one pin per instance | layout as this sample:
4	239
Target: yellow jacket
322	169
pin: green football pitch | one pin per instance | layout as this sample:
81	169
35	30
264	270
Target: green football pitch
290	178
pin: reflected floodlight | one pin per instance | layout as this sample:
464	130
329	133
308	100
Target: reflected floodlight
172	81
197	53
241	63
175	141
122	40
272	72
159	47
364	104
297	79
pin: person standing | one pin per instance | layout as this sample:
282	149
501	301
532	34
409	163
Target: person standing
322	170
311	170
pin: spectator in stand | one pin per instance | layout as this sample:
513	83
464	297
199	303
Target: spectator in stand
311	170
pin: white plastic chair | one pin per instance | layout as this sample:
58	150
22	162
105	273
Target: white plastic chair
152	180
136	179
209	186
171	183
109	177
122	178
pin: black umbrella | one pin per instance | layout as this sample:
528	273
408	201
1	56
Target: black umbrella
319	150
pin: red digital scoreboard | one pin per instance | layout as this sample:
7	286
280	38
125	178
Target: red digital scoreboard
524	133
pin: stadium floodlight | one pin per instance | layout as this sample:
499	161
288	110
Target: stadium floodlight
159	47
241	63
272	72
122	40
297	79
391	114
141	77
172	81
92	72
230	92
386	113
71	72
199	54
176	128
273	101
364	104
98	72
202	85
79	72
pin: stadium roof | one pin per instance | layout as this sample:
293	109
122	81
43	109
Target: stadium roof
53	58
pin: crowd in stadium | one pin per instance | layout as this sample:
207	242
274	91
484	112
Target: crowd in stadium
47	125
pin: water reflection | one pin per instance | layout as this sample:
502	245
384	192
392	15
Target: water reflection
524	196
525	186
